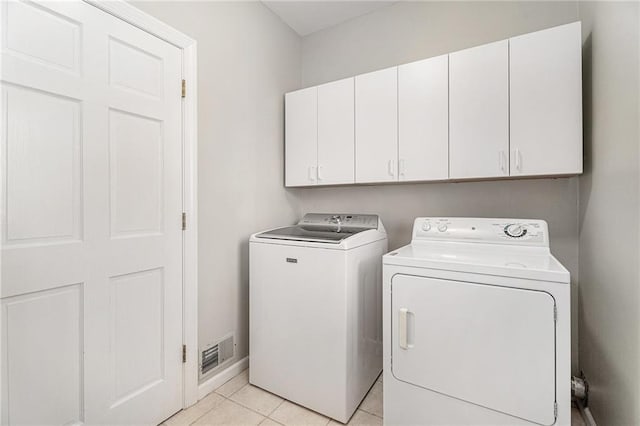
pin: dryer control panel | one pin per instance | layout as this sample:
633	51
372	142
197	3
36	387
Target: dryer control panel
526	232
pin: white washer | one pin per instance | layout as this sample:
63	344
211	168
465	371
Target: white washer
476	320
316	311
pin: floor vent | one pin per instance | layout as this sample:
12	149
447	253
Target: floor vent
215	355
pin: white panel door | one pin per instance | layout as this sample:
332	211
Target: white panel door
377	126
546	101
301	137
91	224
336	132
423	120
487	345
479	111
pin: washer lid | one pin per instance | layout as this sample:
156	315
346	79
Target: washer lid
308	233
324	228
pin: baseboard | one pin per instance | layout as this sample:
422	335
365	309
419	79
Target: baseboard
586	415
222	377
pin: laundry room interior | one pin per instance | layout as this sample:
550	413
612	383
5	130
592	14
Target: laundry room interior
320	212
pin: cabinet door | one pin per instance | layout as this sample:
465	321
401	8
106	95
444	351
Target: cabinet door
546	102
301	137
479	111
377	126
423	120
336	132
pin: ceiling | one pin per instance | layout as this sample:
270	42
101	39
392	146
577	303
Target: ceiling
306	17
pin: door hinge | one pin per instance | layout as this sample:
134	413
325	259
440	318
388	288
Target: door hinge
184	354
184	221
184	88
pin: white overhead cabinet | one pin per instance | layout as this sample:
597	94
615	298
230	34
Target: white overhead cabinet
376	99
336	132
546	102
423	120
319	127
509	108
301	133
479	112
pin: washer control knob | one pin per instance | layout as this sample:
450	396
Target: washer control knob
442	227
515	230
426	226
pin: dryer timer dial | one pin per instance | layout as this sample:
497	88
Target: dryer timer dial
515	230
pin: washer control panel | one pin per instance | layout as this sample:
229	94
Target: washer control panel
343	221
482	230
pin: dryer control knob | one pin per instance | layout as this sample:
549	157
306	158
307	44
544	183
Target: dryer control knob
426	226
515	230
442	227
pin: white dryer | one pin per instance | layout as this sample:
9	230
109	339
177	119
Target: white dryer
476	318
316	311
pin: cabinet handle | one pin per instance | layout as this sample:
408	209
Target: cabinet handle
320	177
518	156
391	168
502	160
401	167
311	172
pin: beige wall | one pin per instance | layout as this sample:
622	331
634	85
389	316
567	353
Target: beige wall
247	58
609	212
408	31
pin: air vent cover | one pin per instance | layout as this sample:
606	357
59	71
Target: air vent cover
214	355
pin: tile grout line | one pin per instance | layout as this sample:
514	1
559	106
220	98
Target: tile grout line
274	410
268	416
220	395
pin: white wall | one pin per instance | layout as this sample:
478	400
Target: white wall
408	31
247	58
609	212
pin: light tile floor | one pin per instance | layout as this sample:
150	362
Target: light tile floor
239	403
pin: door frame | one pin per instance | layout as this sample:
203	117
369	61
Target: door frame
123	10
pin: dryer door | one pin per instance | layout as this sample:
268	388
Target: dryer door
488	345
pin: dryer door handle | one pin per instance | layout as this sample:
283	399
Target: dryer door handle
403	328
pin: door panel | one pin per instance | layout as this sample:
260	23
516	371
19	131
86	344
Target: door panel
301	130
423	119
93	156
136	171
42	343
546	101
479	111
376	97
43	176
488	345
336	132
132	68
40	35
137	348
